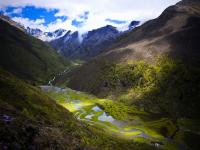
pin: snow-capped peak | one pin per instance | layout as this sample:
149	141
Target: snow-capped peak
46	36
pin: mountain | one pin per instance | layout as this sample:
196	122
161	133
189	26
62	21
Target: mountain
90	44
97	40
46	36
82	46
155	66
26	56
68	44
174	32
76	45
57	33
133	24
34	32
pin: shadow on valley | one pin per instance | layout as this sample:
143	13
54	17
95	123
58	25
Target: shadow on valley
166	88
173	90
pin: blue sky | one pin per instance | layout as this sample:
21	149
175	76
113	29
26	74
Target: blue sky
82	15
33	13
80	23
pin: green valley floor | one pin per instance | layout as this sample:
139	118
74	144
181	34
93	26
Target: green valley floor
122	121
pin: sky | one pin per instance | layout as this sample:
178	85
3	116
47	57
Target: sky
81	15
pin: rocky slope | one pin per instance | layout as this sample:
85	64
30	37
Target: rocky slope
175	32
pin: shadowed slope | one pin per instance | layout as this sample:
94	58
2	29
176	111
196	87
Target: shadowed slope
26	56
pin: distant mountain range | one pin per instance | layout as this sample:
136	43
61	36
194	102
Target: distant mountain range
78	45
92	43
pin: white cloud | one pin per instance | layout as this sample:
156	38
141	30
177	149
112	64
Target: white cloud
38	23
61	24
99	10
17	10
14	11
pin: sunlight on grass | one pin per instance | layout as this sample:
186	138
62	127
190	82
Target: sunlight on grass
121	120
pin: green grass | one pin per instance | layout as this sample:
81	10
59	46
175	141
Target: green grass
120	110
156	94
156	127
167	86
38	120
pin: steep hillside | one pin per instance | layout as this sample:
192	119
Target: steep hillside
30	119
175	32
11	22
155	66
26	56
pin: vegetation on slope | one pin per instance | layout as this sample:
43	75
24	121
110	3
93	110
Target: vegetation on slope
168	86
26	56
37	122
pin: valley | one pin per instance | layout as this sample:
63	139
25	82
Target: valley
133	86
126	121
